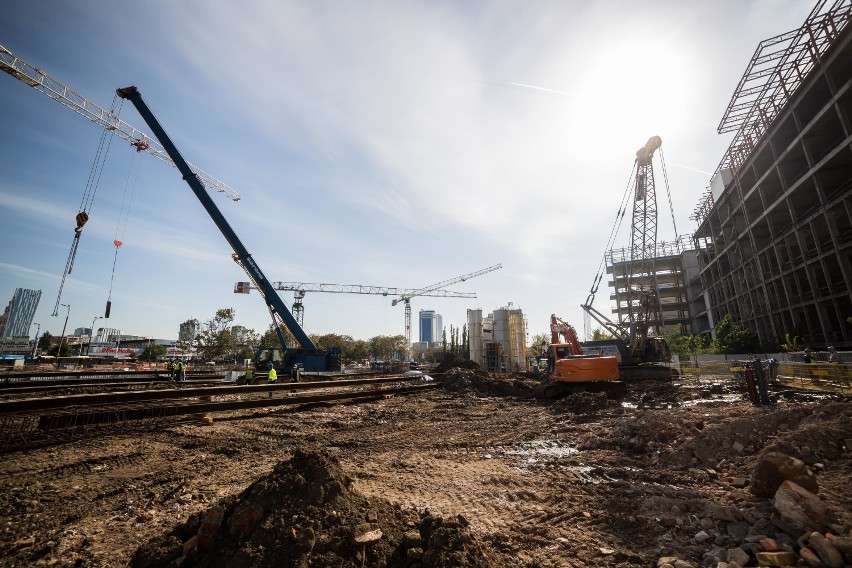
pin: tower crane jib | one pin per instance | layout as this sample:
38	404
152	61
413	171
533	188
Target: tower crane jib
47	85
437	286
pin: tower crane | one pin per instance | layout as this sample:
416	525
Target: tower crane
299	290
406	297
47	85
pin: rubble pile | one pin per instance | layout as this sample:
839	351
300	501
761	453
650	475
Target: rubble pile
305	513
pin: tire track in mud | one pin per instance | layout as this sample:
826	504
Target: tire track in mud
93	465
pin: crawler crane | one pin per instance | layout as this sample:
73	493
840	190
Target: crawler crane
641	354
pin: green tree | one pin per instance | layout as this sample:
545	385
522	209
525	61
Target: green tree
152	352
385	347
600	335
216	339
732	337
60	350
688	344
358	350
539	344
270	338
465	349
45	341
245	353
792	344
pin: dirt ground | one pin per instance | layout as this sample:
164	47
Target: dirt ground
480	473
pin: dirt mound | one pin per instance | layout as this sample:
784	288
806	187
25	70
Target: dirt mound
479	382
452	361
584	403
306	513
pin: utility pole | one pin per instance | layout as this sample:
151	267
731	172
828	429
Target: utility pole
92	334
35	341
62	339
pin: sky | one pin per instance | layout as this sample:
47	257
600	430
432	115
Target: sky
379	143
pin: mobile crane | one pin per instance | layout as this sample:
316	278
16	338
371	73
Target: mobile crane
305	353
571	368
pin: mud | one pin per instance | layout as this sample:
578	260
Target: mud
481	473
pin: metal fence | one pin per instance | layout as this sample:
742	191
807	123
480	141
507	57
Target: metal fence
821	376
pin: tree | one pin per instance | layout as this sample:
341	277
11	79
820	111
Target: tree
688	344
792	344
539	344
45	341
244	353
385	346
600	335
465	350
152	352
270	338
732	337
216	340
61	350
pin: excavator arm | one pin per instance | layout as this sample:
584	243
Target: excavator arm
566	331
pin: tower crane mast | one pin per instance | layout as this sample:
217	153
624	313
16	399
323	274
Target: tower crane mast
47	85
437	286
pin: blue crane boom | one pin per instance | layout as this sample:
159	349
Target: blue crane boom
310	358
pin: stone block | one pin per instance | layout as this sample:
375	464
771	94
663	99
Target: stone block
796	510
773	468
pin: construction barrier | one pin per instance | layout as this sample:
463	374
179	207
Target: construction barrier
827	377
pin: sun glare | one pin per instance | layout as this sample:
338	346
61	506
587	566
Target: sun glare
636	89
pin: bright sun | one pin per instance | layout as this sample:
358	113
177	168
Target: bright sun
636	89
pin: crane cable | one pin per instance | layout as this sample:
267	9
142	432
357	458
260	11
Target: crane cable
87	200
130	183
619	218
668	192
613	233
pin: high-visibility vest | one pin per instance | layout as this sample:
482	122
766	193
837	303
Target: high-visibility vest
273	376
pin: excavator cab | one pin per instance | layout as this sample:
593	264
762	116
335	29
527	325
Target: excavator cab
571	368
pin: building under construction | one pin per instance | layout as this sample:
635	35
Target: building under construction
674	263
774	236
775	226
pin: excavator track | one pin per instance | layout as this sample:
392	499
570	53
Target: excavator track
552	389
635	373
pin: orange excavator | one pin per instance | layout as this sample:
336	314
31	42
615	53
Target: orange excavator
570	369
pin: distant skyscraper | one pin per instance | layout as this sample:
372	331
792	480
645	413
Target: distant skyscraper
431	325
19	314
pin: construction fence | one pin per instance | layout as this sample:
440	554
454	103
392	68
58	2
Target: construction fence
820	376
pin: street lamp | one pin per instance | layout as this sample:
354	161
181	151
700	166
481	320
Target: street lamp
92	334
35	341
62	339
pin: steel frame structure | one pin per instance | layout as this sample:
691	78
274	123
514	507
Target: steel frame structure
775	71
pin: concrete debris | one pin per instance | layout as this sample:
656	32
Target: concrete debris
773	468
797	510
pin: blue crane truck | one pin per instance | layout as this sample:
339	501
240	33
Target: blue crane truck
305	353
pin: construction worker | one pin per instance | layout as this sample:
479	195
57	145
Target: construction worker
808	358
833	357
249	376
295	375
171	367
273	377
181	371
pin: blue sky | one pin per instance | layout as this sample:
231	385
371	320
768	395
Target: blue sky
381	143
